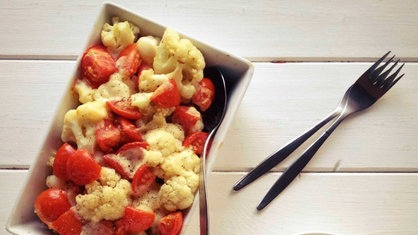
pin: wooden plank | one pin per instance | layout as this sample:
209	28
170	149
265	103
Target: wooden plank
31	92
11	182
258	30
333	203
316	203
282	101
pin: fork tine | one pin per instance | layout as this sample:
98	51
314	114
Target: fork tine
373	67
382	78
376	75
390	81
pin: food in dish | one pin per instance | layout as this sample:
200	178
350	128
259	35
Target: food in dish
129	160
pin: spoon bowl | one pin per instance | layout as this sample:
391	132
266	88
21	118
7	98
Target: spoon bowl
212	119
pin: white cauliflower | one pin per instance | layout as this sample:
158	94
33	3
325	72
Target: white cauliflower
149	80
147	47
117	87
80	124
174	52
165	139
175	194
177	165
118	35
106	198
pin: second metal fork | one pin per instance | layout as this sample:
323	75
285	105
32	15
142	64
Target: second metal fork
371	85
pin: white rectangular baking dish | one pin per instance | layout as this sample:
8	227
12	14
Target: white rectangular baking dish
237	71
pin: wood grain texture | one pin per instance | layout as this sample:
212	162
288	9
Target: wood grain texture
294	96
332	203
299	30
364	180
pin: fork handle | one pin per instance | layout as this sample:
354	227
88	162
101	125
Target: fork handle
281	154
290	174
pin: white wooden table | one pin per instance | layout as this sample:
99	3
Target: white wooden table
364	180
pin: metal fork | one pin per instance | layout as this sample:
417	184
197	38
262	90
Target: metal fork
371	85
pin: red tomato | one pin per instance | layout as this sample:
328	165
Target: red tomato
167	95
129	131
81	168
171	224
135	220
187	117
124	108
205	94
67	224
108	136
132	145
196	141
128	60
59	166
97	65
50	204
112	161
142	180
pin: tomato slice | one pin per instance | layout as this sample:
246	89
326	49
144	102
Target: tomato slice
135	220
67	224
108	136
112	160
188	117
97	64
167	95
142	180
133	145
51	204
128	60
196	141
124	109
129	131
171	224
205	93
59	167
82	168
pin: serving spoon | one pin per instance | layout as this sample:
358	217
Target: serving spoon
212	119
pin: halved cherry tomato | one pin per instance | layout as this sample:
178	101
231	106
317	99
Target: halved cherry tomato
128	130
124	109
188	117
135	220
127	159
142	180
167	95
128	60
196	141
59	167
82	168
113	161
205	94
171	224
67	224
51	204
97	65
108	136
132	145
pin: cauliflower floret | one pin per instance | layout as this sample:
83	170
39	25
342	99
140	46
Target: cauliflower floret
174	52
117	87
181	162
147	47
164	139
149	81
175	194
118	35
106	198
80	124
